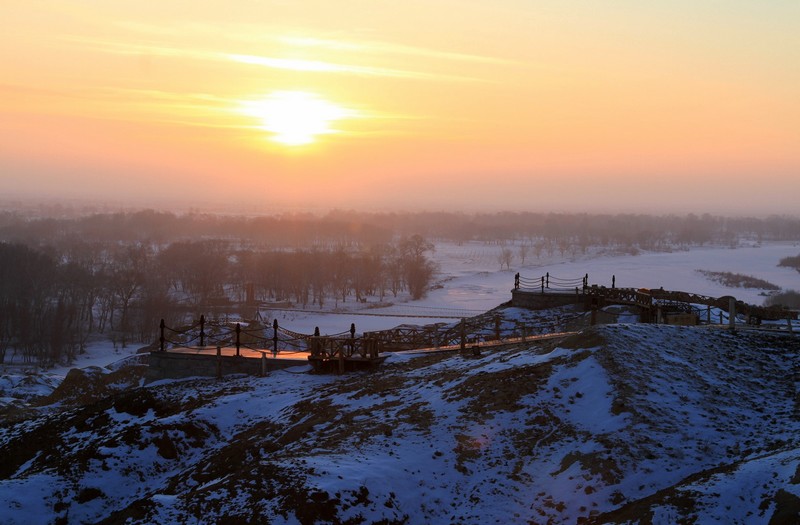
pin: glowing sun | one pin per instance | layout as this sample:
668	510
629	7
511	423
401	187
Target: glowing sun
295	118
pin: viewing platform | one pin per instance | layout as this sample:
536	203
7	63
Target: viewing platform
655	305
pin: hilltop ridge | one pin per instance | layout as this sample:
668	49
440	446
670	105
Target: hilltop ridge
617	424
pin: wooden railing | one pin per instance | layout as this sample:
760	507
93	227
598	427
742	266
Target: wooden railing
345	348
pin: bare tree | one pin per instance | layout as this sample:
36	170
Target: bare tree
418	270
505	257
524	249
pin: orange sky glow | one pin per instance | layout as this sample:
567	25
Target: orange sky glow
625	106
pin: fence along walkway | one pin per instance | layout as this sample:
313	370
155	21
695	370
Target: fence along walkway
543	284
341	348
348	350
401	310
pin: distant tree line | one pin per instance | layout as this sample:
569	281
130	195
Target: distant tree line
288	231
350	228
789	298
738	280
791	262
52	299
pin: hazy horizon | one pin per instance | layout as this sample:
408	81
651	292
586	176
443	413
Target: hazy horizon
53	206
669	107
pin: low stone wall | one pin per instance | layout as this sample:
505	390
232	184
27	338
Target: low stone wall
174	365
541	301
681	319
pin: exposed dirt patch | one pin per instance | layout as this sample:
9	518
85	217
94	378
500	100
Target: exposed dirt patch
489	393
589	338
83	386
381	383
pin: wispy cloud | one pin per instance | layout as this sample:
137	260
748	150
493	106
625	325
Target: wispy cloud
331	67
124	48
252	34
109	102
311	66
372	46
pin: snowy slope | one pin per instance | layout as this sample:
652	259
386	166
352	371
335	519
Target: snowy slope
617	424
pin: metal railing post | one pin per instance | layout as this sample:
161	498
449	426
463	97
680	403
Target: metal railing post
238	341
352	338
275	338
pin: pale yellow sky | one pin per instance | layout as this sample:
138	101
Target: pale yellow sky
557	105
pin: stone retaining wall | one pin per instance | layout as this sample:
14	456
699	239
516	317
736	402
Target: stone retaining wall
173	365
541	301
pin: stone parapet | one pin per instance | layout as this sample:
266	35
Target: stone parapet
175	365
542	301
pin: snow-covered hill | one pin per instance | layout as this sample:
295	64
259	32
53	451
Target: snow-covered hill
618	424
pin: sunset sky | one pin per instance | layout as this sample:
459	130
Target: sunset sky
629	105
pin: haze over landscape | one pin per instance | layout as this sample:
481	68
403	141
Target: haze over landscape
653	107
369	262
